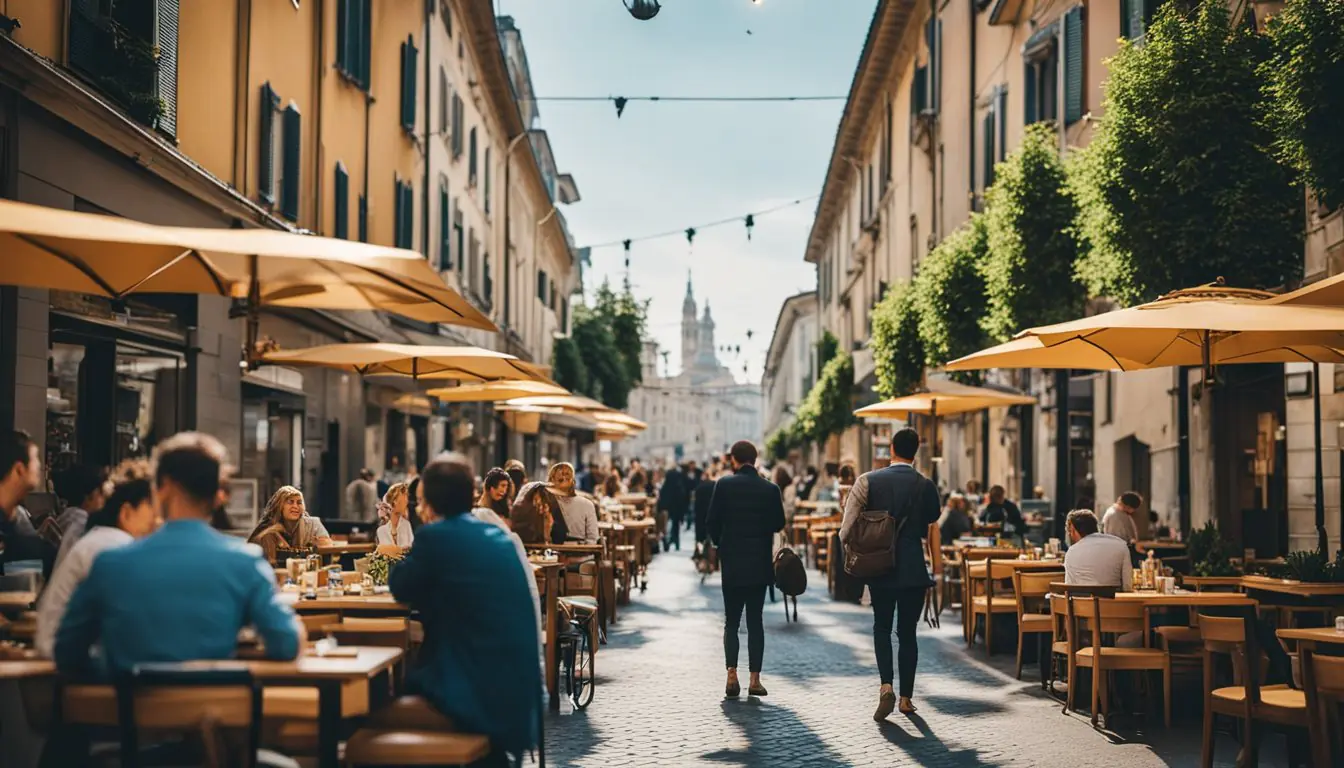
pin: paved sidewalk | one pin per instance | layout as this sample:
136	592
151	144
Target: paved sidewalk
659	700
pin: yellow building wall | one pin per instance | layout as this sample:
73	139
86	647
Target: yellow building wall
43	27
282	53
392	153
207	78
342	132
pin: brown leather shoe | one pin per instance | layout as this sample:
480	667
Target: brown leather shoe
757	690
733	690
886	704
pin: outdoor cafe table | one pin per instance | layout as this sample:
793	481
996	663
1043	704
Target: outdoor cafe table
17	602
329	675
548	577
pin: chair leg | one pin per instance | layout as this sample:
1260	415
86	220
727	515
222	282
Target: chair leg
1073	686
989	631
1098	680
1166	694
1020	638
1206	742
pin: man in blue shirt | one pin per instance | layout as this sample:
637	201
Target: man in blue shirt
478	664
180	594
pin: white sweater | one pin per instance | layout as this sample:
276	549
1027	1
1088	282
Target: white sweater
67	577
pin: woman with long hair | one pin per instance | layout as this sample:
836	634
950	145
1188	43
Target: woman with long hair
536	516
286	524
128	513
497	493
786	490
611	487
394	511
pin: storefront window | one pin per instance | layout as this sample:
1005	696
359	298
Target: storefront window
272	446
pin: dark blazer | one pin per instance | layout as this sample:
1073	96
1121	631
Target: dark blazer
674	495
903	492
704	491
745	512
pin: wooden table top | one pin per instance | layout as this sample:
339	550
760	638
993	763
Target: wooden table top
1212	581
567	548
805	504
1186	598
346	549
368	662
539	567
1284	586
1160	544
17	601
1018	565
1316	635
344	602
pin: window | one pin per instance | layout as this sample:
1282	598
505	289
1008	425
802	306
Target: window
99	33
1074	83
446	13
457	126
409	54
541	285
486	189
564	316
993	136
459	241
445	103
342	193
924	94
363	219
885	153
266	176
487	282
291	165
473	260
404	215
445	227
1040	78
1136	15
353	40
471	158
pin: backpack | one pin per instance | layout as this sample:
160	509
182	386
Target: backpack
791	578
870	548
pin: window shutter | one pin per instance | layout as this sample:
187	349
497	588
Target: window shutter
487	282
289	183
165	86
343	35
564	316
459	244
471	159
365	41
487	181
266	157
457	126
1029	112
987	150
363	219
933	40
444	102
1001	118
408	69
342	192
541	285
1073	65
445	229
472	267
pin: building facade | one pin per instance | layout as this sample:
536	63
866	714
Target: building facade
702	410
944	91
790	361
309	117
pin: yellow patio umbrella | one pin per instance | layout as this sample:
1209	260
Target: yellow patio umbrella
1207	326
570	402
115	257
418	362
494	391
619	417
943	398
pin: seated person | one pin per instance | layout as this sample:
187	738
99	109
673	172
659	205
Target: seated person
482	673
82	489
20	475
286	524
128	514
534	516
393	511
956	520
496	498
1000	509
580	514
1095	559
184	592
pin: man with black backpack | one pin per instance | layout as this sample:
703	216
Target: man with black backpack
887	514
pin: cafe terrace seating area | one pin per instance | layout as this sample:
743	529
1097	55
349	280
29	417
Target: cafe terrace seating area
1120	658
342	702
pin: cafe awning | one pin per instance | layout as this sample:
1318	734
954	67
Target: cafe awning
495	391
115	257
418	362
943	398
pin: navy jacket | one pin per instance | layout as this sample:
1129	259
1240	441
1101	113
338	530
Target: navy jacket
745	512
903	492
673	496
478	663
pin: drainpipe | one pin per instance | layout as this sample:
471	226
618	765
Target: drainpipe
319	75
1063	452
970	119
1183	445
424	205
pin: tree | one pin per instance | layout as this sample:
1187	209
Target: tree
1183	170
567	364
607	377
828	408
1304	78
625	316
827	346
898	350
1029	216
783	440
950	294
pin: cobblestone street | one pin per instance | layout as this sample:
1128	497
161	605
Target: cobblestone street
659	699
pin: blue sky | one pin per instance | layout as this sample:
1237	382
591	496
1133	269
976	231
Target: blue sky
668	166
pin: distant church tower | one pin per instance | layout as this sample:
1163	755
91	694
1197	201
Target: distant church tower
708	360
690	328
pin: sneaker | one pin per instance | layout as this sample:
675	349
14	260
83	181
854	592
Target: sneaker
886	704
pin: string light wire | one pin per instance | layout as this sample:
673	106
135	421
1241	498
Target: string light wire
683	231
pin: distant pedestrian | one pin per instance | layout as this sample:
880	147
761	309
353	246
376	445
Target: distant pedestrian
745	513
361	497
673	499
517	473
912	500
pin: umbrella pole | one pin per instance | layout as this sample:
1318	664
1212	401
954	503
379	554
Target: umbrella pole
1321	539
253	312
934	413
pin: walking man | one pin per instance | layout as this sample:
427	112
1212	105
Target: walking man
675	499
912	500
745	512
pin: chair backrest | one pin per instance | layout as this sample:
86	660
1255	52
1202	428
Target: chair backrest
1031	587
314	622
177	697
934	547
1323	674
1222	629
1061	588
1103	616
386	633
1230	635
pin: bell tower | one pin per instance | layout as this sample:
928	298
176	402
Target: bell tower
690	328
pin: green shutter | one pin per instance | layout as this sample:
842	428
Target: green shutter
363	219
408	70
342	212
266	157
1073	66
933	42
471	159
459	245
487	181
364	37
342	35
165	86
1001	118
289	185
445	229
1029	111
408	211
987	153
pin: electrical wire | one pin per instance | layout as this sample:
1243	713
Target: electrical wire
720	99
624	242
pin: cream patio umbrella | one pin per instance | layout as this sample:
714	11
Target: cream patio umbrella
1207	326
114	257
418	362
495	391
943	398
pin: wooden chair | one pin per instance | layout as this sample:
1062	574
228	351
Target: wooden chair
1250	702
1033	615
987	604
373	747
968	578
1323	683
315	622
1107	616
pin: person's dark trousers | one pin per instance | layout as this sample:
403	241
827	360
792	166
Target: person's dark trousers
735	599
672	534
905	606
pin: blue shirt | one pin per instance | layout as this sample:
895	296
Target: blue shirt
180	594
478	663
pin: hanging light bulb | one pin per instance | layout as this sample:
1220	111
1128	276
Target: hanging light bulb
626	243
690	235
620	102
642	9
751	222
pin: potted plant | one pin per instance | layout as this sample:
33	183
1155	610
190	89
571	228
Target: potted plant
1209	554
